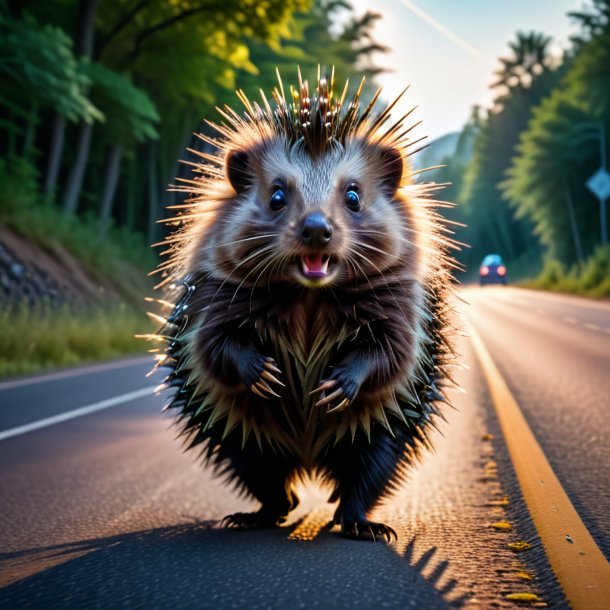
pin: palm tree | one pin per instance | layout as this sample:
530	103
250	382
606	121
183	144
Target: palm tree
530	57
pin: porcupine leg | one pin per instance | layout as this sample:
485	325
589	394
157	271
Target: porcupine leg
362	471
266	475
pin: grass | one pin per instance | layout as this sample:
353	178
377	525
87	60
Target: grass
591	278
35	340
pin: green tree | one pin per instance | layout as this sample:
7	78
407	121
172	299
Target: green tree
130	117
315	41
528	59
594	21
526	78
560	150
187	56
85	32
39	70
545	179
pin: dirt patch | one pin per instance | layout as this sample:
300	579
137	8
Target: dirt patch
34	273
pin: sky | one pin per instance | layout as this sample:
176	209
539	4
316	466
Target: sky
447	50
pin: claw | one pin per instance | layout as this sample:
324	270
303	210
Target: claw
342	405
264	386
330	398
257	391
356	529
325	385
270	366
227	521
267	375
389	532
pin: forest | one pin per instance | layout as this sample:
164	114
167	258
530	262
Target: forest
520	169
99	102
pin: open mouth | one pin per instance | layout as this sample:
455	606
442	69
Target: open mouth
315	265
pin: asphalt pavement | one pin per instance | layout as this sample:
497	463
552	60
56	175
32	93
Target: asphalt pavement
104	510
554	353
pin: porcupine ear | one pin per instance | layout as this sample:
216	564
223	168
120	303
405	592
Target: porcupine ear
391	164
238	170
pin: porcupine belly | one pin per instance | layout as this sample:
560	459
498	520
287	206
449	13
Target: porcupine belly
302	342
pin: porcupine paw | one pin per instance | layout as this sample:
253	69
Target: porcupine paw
261	372
358	528
338	391
249	521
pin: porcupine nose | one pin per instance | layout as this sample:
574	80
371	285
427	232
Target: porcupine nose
316	231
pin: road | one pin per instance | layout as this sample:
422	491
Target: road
104	510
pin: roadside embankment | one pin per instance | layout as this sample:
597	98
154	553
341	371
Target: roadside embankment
57	311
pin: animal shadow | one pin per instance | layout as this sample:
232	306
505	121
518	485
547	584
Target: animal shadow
198	565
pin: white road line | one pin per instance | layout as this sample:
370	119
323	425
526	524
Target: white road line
573	299
592	326
57	419
570	320
541	312
76	372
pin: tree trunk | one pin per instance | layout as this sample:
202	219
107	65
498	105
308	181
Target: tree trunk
87	9
132	190
11	144
111	179
84	47
504	222
178	169
153	193
30	132
57	145
75	180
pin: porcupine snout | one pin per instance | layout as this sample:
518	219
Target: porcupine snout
316	230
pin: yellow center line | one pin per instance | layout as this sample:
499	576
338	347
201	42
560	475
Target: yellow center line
579	565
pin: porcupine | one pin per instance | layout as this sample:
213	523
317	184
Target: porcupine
310	332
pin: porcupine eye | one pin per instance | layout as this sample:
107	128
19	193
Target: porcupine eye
278	199
352	198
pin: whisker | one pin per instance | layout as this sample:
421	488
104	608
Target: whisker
239	241
364	244
253	270
382	275
269	263
250	257
362	270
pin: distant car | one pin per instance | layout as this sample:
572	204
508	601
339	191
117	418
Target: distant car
492	271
